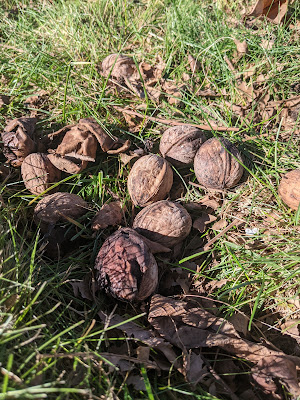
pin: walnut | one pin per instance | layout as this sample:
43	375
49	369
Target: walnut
179	144
17	140
149	180
39	173
164	222
118	66
79	145
289	189
217	164
125	267
58	207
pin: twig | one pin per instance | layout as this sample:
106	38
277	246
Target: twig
175	123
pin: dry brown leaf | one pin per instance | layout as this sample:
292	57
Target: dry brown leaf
267	44
274	10
4	100
187	326
242	47
240	322
109	215
201	222
137	381
82	288
212	285
194	64
194	367
219	225
246	91
146	336
174	92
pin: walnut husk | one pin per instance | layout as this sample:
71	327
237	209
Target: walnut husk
289	188
149	180
164	222
125	267
179	144
218	164
79	145
58	207
17	140
39	173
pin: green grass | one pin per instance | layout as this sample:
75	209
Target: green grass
58	46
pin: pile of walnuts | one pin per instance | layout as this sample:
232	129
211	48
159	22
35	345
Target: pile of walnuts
125	266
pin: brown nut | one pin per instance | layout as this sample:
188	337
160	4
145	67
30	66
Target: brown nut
118	66
125	267
149	180
39	173
17	140
164	222
289	189
59	207
217	164
179	144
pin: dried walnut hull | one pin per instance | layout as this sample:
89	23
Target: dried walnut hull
125	267
58	207
39	173
179	144
17	140
289	189
164	222
218	164
149	180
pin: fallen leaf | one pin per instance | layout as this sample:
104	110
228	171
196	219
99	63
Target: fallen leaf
194	64
219	225
267	44
187	326
274	10
201	222
4	100
146	336
82	288
242	47
292	328
137	381
240	322
109	215
212	285
194	367
127	158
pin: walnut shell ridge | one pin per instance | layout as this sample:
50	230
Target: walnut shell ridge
125	267
149	180
39	173
218	164
179	144
58	207
164	222
289	188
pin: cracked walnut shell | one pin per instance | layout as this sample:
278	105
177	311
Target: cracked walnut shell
164	222
218	164
289	189
179	144
39	173
59	207
125	267
149	180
